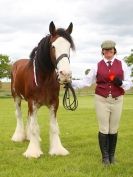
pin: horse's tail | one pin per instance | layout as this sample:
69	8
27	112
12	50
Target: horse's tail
33	53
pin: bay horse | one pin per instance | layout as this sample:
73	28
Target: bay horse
37	80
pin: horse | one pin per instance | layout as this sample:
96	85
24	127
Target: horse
37	80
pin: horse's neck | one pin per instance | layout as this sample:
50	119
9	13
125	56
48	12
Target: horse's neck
48	77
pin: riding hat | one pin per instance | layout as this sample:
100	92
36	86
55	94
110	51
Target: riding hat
108	44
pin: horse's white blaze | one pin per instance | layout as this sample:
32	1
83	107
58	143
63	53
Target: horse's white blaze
19	134
62	46
33	149
56	147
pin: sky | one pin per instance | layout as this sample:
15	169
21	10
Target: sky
23	23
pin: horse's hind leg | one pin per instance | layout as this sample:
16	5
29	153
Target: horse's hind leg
56	147
33	149
19	134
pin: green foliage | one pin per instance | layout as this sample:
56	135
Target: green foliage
78	134
4	66
87	71
129	61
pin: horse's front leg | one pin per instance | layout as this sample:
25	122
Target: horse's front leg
33	149
56	147
19	134
28	133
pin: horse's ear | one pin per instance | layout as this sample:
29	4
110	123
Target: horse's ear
52	28
70	28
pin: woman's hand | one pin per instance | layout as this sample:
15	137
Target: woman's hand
117	81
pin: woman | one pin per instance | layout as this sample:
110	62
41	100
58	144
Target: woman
112	78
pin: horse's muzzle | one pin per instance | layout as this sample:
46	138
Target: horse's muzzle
64	77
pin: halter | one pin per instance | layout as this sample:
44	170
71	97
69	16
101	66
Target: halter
60	58
57	61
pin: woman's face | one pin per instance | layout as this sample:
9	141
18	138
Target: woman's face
108	53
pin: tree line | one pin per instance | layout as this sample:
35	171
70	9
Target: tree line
5	66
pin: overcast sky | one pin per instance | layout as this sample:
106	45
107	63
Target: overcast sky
23	23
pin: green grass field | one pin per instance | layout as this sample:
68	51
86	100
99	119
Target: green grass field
78	134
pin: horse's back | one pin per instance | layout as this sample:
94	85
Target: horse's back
20	64
19	67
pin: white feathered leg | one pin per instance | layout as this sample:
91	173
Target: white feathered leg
28	129
28	133
19	134
33	149
56	147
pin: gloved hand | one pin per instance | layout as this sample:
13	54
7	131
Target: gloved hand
117	81
74	84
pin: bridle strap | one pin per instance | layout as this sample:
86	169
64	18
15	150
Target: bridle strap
60	58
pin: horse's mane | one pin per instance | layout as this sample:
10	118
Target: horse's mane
41	53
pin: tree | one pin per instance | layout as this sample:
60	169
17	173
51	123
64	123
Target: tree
129	60
87	71
4	66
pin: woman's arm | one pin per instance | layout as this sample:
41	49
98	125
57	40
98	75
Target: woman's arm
127	82
87	81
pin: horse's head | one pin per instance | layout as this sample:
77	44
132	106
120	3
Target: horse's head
61	43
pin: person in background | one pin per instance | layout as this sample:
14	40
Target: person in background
112	78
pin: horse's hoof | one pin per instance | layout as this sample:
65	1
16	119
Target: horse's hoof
30	154
62	151
18	137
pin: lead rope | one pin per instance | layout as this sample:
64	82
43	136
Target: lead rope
67	103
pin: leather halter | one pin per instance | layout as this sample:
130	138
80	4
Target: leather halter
60	58
57	61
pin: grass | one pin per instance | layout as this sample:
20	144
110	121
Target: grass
78	134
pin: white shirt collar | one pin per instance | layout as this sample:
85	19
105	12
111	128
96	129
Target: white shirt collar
106	60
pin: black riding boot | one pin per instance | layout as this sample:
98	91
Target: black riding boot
112	146
104	147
